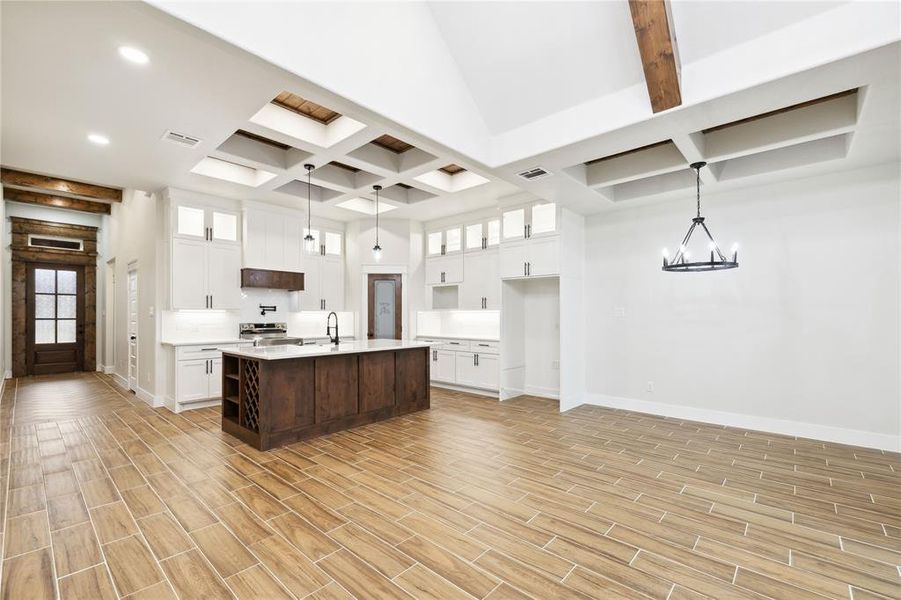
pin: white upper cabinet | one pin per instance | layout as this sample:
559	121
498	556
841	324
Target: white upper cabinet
272	240
530	258
206	223
333	244
323	271
481	288
483	235
445	241
522	222
205	267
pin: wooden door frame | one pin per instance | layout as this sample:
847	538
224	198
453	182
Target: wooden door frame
79	312
398	303
22	254
132	268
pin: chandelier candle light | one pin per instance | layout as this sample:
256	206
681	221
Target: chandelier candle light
681	263
308	239
377	250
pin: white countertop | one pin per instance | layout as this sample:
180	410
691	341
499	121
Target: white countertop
474	338
210	342
308	351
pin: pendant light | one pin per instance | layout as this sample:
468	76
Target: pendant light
377	250
681	263
308	240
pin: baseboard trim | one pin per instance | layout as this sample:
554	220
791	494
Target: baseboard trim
510	393
468	390
120	380
148	398
109	369
8	374
826	433
177	407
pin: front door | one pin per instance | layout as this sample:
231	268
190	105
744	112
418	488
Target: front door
385	311
54	319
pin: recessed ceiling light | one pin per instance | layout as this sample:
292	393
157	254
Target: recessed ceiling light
134	55
96	138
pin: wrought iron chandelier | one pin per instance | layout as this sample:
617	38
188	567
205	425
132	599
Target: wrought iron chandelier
681	262
308	239
377	250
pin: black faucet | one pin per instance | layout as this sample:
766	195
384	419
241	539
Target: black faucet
328	328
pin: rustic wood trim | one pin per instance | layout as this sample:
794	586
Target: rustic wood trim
41	199
57	184
452	169
656	47
306	108
22	255
627	152
781	110
340	165
398	306
392	143
263	140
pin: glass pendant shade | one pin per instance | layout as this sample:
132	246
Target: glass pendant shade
681	262
377	250
309	241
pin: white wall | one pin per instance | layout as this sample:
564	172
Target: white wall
133	236
802	339
530	337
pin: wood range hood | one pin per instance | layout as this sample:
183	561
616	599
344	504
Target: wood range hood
272	280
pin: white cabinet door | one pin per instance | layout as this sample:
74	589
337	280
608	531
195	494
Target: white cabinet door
331	282
293	243
544	256
513	260
193	380
274	242
189	222
224	226
491	280
224	276
433	269
215	377
514	224
254	239
467	372
189	274
444	366
310	297
473	289
453	269
543	219
488	372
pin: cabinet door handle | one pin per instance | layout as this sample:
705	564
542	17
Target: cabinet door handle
211	301
435	355
484	243
524	273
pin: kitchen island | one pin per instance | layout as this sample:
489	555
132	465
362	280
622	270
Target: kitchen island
272	396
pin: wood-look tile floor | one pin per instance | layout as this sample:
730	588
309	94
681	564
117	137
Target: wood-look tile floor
104	498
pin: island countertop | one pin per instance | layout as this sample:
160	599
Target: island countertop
313	350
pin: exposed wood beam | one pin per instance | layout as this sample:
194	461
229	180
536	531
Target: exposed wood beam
16	195
56	184
657	49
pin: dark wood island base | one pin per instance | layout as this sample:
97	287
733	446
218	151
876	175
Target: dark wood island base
269	403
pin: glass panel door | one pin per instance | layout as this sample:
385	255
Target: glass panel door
494	232
55	306
190	221
453	240
474	236
514	224
225	226
544	218
385	313
434	243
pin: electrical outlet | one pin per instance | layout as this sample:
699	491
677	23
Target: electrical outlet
555	365
650	386
620	311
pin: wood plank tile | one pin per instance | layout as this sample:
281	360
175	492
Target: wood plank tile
26	533
261	503
60	483
113	522
361	580
91	583
526	579
245	525
29	576
193	578
255	583
190	513
75	548
306	538
66	511
425	584
388	561
26	499
159	591
227	555
448	565
131	564
164	535
294	570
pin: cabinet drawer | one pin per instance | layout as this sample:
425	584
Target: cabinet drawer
485	347
202	352
455	345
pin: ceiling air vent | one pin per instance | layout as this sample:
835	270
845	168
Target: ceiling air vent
534	173
180	139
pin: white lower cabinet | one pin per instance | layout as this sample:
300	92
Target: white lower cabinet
198	374
465	363
444	366
193	380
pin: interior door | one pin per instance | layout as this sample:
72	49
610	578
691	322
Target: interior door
385	311
133	330
55	319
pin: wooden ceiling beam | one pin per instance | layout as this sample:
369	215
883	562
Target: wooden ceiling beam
27	197
45	184
658	57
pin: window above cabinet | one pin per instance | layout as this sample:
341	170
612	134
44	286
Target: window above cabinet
528	221
204	223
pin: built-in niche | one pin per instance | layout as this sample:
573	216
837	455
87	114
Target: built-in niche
530	338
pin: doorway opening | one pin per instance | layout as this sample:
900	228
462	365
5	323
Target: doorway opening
385	310
133	328
54	318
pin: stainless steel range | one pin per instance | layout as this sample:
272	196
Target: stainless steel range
268	334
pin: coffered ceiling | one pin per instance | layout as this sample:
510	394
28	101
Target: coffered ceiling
448	103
